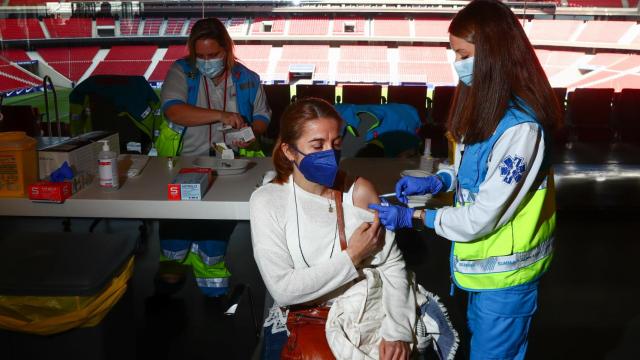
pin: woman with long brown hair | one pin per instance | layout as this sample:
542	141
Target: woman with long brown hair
202	92
297	236
502	225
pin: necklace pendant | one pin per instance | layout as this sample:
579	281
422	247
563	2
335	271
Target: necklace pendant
330	208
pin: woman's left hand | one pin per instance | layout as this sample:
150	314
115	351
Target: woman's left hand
394	350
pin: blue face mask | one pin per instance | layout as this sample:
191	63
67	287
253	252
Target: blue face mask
320	167
464	68
210	68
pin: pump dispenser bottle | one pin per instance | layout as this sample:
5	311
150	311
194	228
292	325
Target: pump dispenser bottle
108	167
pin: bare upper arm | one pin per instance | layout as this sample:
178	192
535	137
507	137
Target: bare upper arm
364	193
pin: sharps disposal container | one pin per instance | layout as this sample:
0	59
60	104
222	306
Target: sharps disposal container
18	163
63	294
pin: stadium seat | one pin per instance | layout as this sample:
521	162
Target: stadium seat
626	121
589	114
326	92
361	94
561	134
20	118
278	98
415	96
438	114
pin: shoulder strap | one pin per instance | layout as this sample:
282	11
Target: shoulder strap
343	181
340	211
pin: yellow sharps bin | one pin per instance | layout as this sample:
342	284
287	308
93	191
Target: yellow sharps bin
18	163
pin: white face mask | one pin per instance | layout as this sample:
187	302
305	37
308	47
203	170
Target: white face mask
464	68
210	68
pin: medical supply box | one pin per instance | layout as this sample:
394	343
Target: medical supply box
80	152
47	191
18	163
190	184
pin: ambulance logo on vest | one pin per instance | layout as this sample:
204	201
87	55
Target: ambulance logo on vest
512	169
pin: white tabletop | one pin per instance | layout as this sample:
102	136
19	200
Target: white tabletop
145	196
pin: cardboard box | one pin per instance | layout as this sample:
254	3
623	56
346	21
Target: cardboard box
190	184
81	153
46	191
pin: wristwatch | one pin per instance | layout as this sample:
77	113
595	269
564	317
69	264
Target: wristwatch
417	219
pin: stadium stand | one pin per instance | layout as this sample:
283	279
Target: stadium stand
72	62
14	29
138	67
175	52
431	28
174	26
26	2
236	25
131	52
129	27
68	28
105	21
12	78
552	30
272	25
426	73
66	54
309	26
422	54
252	52
126	60
604	31
15	55
360	52
596	3
317	55
152	27
397	27
160	71
349	26
363	71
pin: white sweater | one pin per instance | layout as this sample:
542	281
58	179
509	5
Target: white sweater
280	254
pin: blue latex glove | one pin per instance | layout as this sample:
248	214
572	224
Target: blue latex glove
64	172
411	185
393	217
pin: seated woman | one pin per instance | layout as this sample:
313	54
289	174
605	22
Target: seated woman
295	232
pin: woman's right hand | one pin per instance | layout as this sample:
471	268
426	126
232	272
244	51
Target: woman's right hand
232	119
366	240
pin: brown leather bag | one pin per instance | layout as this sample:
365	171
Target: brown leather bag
307	338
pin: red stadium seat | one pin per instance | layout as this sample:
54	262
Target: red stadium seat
278	97
361	94
439	113
326	92
415	96
15	29
626	120
589	113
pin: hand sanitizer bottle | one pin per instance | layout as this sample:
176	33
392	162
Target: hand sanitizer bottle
108	167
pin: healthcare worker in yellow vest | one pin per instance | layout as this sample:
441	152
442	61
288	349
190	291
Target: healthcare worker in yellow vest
502	224
202	92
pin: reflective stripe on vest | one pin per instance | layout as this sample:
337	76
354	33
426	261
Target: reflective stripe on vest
174	255
213	282
206	259
511	262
